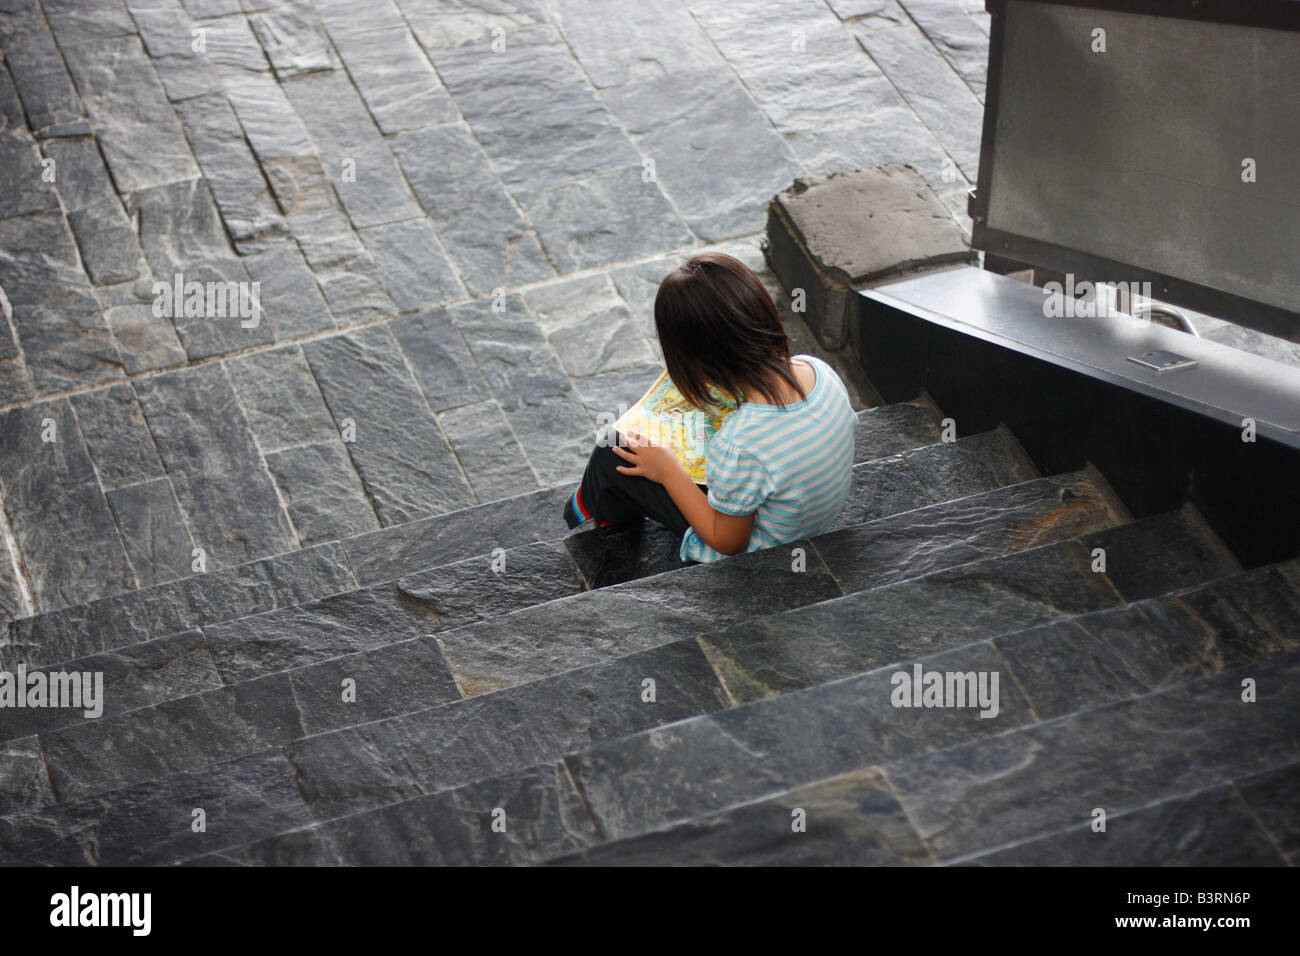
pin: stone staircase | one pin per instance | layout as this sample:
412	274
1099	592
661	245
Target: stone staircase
392	699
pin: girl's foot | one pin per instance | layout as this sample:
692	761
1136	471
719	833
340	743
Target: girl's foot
575	512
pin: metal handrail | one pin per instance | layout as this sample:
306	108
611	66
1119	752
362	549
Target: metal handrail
1158	308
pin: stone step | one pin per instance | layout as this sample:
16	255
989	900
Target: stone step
1249	821
374	557
739	754
882	486
736	805
285	580
108	821
1120	758
435	600
280	701
857	820
861	821
764	657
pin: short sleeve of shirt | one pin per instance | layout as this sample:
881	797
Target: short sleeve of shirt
738	482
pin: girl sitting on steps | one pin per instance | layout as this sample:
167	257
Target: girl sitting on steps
779	467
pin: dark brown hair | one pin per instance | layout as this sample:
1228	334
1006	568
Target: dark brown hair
718	327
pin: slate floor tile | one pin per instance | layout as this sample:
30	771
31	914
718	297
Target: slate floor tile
57	512
606	219
412	265
437	353
978	463
942	610
455	828
116	436
616	43
890	429
168	36
225	493
881	487
344	270
240	189
525	377
134	677
1182	550
25	189
928	83
393	73
1271	797
532	110
614	555
697	766
274	129
293	38
391	552
400	678
322	492
892	135
829	80
280	398
140	616
42	80
402	456
172	737
145	342
420	752
439	23
721	184
291	299
596	625
955	34
609	394
362	169
477	222
154	532
488	451
850	821
135	125
1047	777
26	781
308	633
14	603
150	823
304	847
182	234
589	325
950	533
58	323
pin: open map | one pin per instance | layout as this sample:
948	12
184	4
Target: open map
664	417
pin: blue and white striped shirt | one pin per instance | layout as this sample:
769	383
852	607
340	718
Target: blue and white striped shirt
788	465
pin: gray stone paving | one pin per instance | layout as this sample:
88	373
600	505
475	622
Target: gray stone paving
457	213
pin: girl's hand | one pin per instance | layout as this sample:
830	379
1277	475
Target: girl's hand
645	460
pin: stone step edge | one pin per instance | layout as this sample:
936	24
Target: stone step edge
694	637
770	794
767	795
1103	486
5	626
961	860
636	581
965	858
922	400
521	610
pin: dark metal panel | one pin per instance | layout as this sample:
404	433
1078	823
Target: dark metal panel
1227	384
1155	448
1117	172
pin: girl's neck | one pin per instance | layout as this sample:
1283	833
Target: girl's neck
806	377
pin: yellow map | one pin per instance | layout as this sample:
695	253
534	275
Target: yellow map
666	418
